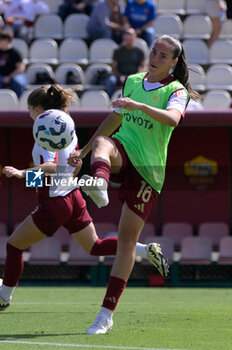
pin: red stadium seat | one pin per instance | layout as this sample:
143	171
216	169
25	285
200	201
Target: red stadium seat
177	231
196	250
46	252
215	231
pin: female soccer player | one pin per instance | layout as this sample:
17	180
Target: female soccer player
56	207
152	105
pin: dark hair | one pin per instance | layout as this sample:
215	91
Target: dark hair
6	35
181	71
55	97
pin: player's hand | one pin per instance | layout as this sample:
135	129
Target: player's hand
74	157
77	167
10	171
126	103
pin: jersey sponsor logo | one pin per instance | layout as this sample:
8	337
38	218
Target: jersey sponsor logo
139	207
34	178
145	123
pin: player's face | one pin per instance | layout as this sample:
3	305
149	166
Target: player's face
161	59
35	111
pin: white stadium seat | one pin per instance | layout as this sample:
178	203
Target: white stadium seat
197	77
101	50
48	26
170	6
23	99
35	68
62	71
219	76
226	32
196	7
197	27
8	99
74	51
22	47
169	24
196	51
139	42
221	52
44	51
75	26
95	99
92	72
217	99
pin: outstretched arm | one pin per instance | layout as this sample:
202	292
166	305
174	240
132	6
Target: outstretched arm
47	167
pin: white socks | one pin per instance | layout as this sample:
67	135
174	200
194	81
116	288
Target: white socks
141	250
6	293
107	312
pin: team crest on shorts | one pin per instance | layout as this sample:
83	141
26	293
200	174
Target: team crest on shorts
34	178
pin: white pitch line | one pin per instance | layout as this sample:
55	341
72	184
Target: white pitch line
80	345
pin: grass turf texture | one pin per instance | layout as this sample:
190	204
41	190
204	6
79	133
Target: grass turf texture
157	318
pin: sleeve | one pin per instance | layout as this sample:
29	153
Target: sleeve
17	56
179	101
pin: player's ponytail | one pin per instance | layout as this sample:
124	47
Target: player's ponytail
55	97
180	71
61	98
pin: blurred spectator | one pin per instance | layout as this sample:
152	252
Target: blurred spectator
214	9
106	20
20	15
74	6
127	59
229	9
12	67
141	15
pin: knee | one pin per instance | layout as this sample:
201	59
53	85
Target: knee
100	141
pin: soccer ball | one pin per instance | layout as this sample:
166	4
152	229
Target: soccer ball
54	130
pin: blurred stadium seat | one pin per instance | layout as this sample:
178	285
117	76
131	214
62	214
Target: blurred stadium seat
101	51
196	7
61	74
196	250
217	99
74	51
22	46
196	51
75	26
219	76
170	6
169	24
177	231
34	69
45	252
48	26
95	99
215	231
197	77
221	52
43	51
225	251
92	75
197	27
8	99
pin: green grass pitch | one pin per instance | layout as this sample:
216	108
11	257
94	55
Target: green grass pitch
146	318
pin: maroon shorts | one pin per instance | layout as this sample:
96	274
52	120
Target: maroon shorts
69	211
134	190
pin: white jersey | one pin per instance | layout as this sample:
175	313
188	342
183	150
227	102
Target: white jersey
62	182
